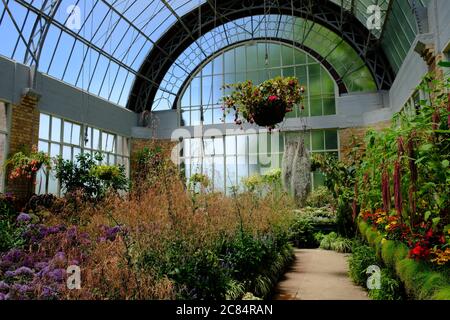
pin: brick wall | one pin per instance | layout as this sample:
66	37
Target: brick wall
23	135
349	136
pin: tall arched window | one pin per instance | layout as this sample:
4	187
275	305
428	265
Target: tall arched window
229	158
249	61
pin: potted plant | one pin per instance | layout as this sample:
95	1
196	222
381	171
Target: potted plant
27	164
265	104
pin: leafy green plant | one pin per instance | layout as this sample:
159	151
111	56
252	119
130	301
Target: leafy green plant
10	231
391	287
320	197
362	257
340	180
87	176
301	233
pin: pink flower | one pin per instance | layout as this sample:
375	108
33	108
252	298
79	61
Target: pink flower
273	98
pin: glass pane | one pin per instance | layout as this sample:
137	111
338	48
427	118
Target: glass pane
56	129
230	174
331	140
317	140
67	132
316	107
67	153
76	131
230	145
218	145
242	144
329	106
96	139
319	179
44	126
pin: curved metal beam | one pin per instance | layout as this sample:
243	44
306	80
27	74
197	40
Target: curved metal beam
324	12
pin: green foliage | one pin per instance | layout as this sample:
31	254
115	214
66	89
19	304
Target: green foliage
336	243
320	197
87	176
442	294
415	157
198	182
263	184
340	179
301	233
362	257
10	232
391	287
149	162
225	270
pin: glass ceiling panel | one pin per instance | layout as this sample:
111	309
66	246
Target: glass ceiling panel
328	44
114	37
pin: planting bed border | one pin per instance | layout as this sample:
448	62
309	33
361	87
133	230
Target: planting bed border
420	280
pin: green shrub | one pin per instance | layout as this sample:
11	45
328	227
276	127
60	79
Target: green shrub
342	245
391	287
344	216
333	242
320	197
197	275
257	262
327	241
442	294
362	257
301	233
10	232
87	176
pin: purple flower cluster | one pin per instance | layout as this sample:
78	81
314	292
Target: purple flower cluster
110	233
44	279
35	233
23	218
41	274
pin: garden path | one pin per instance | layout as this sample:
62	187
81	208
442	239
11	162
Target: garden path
318	275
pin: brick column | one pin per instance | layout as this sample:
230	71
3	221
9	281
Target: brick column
349	136
24	135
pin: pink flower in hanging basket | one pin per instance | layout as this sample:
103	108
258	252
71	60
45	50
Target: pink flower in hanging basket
273	98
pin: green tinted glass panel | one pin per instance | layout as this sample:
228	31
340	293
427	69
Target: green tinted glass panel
317	138
329	106
331	139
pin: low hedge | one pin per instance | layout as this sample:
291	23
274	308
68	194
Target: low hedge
420	280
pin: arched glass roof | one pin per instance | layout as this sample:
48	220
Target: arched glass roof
100	45
329	46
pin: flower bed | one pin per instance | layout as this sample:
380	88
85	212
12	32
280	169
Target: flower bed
421	280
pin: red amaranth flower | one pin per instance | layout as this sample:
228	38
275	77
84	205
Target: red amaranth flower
397	188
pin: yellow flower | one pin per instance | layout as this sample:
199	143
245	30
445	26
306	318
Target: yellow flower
383	240
380	220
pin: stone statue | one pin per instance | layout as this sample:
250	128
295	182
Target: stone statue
296	167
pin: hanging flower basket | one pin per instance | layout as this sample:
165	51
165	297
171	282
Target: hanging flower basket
265	104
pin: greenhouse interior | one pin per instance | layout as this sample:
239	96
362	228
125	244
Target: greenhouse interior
225	150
